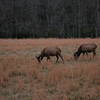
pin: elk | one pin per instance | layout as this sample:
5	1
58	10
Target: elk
50	51
85	49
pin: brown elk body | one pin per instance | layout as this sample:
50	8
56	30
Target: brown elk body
85	49
50	51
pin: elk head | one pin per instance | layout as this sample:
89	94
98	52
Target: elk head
38	58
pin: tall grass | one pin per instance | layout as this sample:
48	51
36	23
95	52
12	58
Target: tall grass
23	78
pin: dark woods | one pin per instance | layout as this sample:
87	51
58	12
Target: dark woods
49	18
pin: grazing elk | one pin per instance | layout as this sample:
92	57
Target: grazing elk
85	49
50	51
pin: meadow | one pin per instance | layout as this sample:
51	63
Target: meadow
23	78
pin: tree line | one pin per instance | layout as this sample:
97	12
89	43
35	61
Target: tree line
49	18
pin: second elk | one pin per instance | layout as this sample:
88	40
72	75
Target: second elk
85	49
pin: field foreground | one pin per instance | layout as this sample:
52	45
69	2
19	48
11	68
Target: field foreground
23	78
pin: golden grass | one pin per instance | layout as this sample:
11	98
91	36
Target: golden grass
23	78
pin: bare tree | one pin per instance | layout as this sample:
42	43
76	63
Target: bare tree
97	18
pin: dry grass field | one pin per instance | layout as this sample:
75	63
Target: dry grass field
23	78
